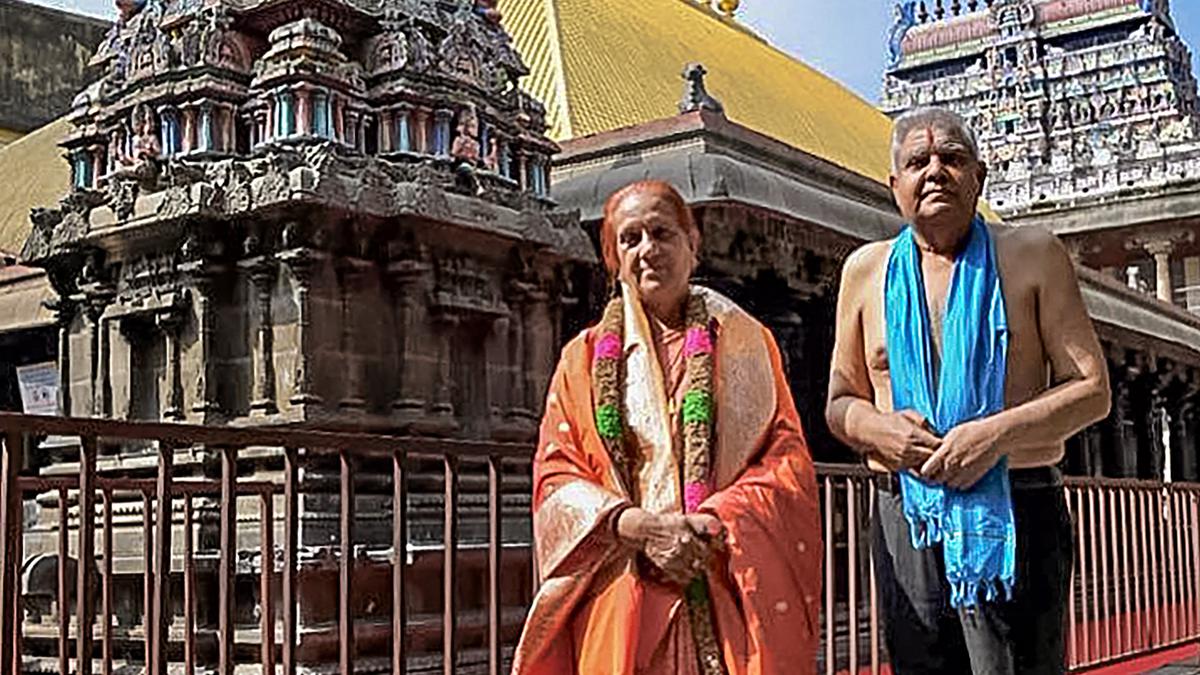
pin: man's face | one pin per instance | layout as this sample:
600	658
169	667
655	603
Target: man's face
936	180
657	255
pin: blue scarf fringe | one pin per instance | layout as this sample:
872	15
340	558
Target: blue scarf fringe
975	526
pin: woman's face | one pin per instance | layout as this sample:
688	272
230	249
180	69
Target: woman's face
657	255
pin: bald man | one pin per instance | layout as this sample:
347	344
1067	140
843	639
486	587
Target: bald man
1055	384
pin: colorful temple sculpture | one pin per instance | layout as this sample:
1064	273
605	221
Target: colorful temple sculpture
323	214
1086	113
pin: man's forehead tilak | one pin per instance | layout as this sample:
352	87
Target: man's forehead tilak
933	137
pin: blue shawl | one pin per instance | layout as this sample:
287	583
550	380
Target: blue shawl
975	525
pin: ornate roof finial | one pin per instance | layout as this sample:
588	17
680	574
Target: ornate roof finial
695	96
728	7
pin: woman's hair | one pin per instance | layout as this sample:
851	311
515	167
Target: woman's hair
658	188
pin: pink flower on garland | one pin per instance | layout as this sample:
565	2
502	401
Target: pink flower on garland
608	347
698	341
694	495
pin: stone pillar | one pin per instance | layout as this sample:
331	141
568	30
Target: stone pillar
304	112
403	129
99	354
302	263
170	324
1185	460
1191	281
421	127
262	277
339	119
189	129
202	277
385	131
408	277
98	159
64	314
205	140
442	407
350	273
537	377
1161	250
1121	447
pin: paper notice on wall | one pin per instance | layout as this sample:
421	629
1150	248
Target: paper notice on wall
39	388
39	396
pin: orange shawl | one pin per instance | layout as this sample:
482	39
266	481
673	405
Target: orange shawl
594	613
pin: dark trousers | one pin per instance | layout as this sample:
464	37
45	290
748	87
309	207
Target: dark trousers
1024	636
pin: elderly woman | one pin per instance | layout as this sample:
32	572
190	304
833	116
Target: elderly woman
675	502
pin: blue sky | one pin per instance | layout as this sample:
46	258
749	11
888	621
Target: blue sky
842	38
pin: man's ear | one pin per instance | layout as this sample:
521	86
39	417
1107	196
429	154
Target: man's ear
982	174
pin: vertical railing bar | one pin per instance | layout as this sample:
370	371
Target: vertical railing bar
1102	507
148	615
450	568
1170	531
11	458
346	565
1084	580
1193	629
1073	659
1185	543
399	561
64	603
1127	577
1093	565
86	556
874	588
1145	629
164	520
228	558
1179	522
830	651
1155	552
189	589
17	535
852	568
1181	564
494	552
106	591
267	575
1194	503
1115	538
291	545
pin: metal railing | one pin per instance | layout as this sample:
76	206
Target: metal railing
1135	587
159	494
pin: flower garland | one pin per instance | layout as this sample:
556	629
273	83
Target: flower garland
608	384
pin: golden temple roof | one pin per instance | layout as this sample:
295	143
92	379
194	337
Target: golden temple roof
600	65
32	173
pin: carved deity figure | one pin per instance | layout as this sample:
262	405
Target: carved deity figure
466	141
487	9
127	9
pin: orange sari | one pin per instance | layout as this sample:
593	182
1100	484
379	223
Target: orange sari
594	612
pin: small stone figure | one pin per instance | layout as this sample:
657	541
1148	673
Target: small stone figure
466	143
487	9
695	96
146	146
